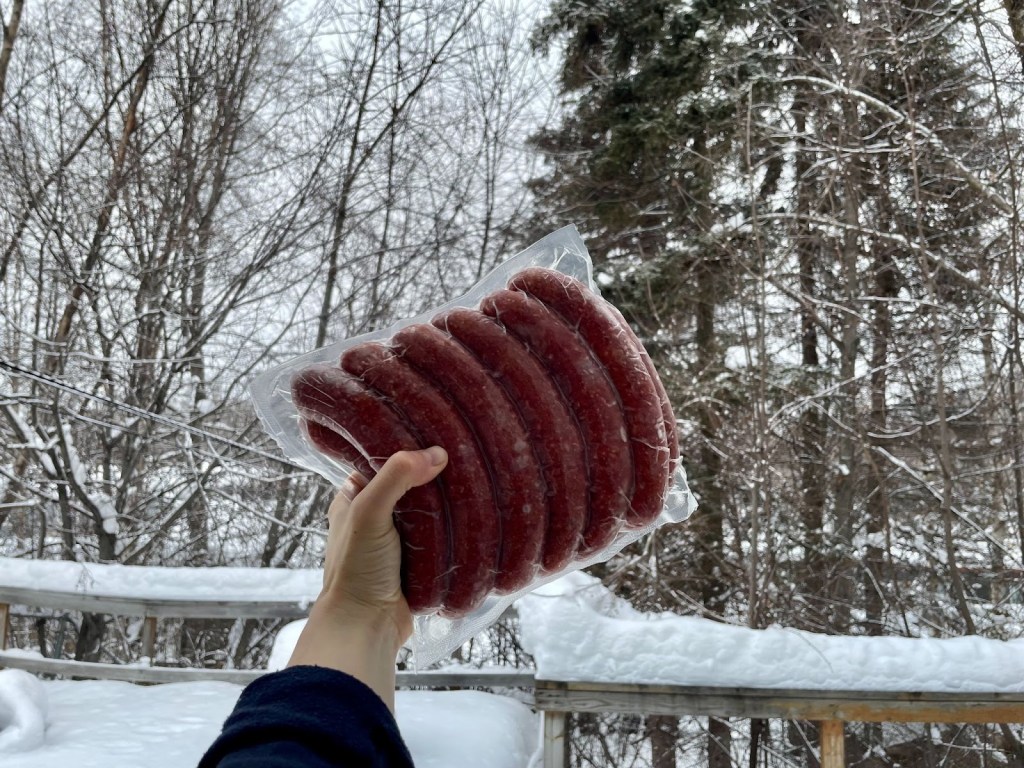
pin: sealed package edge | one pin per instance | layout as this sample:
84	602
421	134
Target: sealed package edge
561	440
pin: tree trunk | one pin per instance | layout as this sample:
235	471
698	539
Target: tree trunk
1015	16
937	328
663	731
13	489
89	643
709	522
842	591
945	456
114	183
10	32
877	504
812	428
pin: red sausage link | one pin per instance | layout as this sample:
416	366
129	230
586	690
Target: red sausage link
517	482
332	398
620	356
668	416
597	409
555	435
473	519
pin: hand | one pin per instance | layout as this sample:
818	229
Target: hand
361	618
363	560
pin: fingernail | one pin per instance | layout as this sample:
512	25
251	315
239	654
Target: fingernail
437	454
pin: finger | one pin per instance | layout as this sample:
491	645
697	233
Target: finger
404	470
353	484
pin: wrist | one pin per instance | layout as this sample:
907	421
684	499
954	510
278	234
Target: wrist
390	623
360	640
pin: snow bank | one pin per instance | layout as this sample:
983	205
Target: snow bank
159	583
284	645
23	708
448	728
578	630
471	729
105	724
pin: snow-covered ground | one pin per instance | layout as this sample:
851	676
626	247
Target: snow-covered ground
103	724
578	630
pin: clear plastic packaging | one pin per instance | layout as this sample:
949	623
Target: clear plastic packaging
541	437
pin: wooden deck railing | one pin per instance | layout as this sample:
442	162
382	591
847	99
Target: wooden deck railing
831	709
555	699
149	609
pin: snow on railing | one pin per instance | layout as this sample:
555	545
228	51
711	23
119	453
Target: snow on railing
150	593
182	593
665	664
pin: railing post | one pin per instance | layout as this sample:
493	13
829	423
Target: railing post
556	745
149	638
833	745
5	624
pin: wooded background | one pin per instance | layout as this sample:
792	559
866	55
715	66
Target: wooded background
808	209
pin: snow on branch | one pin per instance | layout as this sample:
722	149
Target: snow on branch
915	127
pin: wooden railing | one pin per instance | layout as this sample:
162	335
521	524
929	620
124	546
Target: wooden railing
555	699
831	709
152	610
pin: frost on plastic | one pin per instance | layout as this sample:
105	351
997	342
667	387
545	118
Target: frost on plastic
438	635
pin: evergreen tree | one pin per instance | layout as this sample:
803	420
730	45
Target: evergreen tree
816	186
637	163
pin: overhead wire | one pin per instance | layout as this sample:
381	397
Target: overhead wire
51	381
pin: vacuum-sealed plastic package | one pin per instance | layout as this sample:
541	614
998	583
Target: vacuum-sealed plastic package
561	440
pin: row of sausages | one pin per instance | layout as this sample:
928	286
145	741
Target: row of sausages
558	429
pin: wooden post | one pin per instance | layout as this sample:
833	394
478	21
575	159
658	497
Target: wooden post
5	624
556	745
833	746
149	638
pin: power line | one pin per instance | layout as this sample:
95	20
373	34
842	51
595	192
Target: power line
50	381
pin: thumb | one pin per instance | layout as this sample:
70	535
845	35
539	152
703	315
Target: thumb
404	470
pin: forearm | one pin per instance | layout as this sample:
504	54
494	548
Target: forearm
360	643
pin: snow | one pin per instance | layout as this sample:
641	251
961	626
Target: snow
104	724
574	628
466	728
737	358
109	516
23	709
77	468
578	630
284	644
161	583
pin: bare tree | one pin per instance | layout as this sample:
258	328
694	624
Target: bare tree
220	186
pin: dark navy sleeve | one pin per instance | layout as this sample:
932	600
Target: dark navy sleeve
308	717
